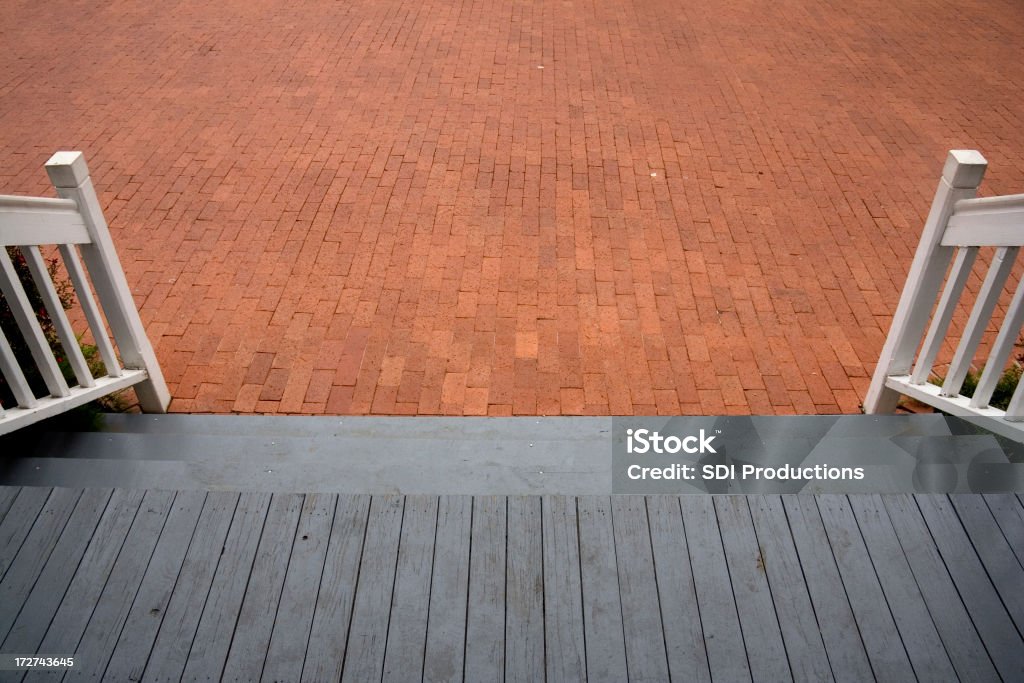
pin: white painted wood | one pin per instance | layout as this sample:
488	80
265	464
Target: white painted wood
50	406
92	313
1015	411
40	220
68	340
39	228
1001	349
14	202
981	313
957	219
74	219
70	176
961	176
992	419
14	376
28	324
996	229
958	275
1006	202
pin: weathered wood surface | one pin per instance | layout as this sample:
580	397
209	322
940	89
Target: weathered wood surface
164	586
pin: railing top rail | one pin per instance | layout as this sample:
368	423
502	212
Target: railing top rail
987	204
26	221
20	203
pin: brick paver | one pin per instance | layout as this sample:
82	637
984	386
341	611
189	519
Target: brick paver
558	206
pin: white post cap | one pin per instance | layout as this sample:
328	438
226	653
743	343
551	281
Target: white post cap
67	169
964	168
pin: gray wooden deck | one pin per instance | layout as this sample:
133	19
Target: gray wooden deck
167	586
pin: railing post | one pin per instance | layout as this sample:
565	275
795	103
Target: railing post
70	175
961	177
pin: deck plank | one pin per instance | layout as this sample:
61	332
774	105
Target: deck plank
959	637
294	616
979	595
801	634
846	653
602	605
251	641
73	609
485	618
185	607
524	616
122	586
444	657
646	658
325	652
36	550
42	601
18	522
564	642
762	635
995	553
220	612
162	586
723	637
1009	514
680	614
367	638
131	652
909	610
882	640
410	604
7	496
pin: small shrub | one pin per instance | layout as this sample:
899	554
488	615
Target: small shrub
13	333
66	294
1004	388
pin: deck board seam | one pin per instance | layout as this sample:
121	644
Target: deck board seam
579	568
543	592
956	584
106	582
394	582
71	576
209	589
43	563
768	584
1019	553
244	591
142	578
284	581
657	587
846	596
469	584
35	520
355	588
985	565
170	593
319	583
881	588
732	589
693	581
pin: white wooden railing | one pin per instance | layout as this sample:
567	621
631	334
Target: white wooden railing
75	224
957	226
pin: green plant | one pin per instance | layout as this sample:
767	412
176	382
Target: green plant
1004	388
22	353
11	331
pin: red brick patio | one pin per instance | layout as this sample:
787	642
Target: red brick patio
550	207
